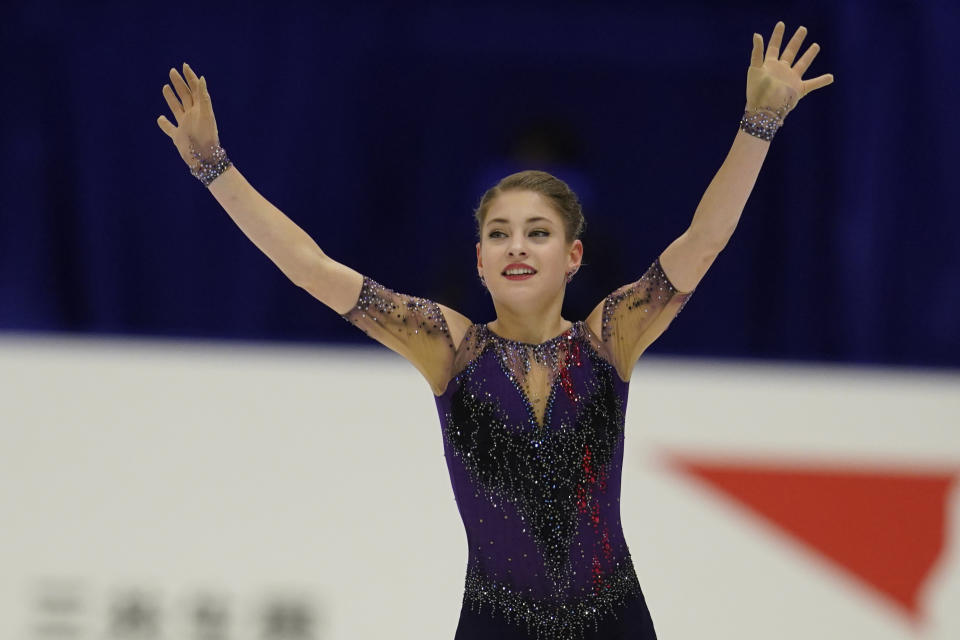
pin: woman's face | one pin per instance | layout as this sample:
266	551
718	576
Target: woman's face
521	227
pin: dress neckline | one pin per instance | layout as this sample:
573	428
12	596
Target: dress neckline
568	331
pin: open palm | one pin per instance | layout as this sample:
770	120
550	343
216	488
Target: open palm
191	106
774	81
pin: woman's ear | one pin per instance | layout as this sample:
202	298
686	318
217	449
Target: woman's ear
576	253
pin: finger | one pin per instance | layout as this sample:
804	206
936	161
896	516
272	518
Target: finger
192	80
816	83
173	103
182	89
793	46
806	59
166	126
756	56
773	50
204	94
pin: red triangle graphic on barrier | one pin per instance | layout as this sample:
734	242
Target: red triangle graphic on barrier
886	528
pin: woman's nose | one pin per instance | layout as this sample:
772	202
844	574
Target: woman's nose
517	250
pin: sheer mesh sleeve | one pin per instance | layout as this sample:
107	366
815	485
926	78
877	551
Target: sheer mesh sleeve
413	327
637	313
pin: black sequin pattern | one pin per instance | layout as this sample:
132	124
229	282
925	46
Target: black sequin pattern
554	478
649	293
569	620
406	315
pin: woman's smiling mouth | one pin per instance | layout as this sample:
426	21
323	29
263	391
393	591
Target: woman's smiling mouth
518	271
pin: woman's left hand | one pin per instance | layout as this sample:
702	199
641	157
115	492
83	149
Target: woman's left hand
772	83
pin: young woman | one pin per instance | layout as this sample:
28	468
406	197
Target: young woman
531	405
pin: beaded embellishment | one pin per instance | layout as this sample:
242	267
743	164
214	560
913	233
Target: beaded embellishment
533	438
534	369
208	168
764	122
409	317
540	502
634	315
651	292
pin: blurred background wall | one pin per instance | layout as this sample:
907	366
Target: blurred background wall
160	489
377	127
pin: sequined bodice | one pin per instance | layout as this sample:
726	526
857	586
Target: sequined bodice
535	370
533	437
539	497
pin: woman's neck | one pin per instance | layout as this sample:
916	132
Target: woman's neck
525	332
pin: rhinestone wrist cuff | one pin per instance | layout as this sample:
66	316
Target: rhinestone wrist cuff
209	167
762	123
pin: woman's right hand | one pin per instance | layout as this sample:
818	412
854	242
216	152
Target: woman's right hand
196	127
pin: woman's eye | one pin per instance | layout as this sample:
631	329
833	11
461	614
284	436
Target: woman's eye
493	234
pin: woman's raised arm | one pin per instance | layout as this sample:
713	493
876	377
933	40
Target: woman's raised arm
421	330
197	140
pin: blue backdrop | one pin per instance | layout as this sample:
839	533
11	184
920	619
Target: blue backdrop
378	127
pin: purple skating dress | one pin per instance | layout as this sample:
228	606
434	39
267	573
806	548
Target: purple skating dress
533	438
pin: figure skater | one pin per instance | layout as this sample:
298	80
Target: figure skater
531	405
